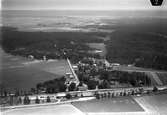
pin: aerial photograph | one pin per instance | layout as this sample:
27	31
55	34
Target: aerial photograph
83	57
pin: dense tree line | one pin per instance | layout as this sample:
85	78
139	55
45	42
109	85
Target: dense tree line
53	86
142	44
53	45
133	78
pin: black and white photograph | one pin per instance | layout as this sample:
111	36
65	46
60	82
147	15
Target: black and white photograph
83	57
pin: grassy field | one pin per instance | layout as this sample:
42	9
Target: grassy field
19	73
27	77
154	103
46	110
125	104
163	77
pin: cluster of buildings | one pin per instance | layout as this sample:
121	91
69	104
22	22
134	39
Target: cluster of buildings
88	66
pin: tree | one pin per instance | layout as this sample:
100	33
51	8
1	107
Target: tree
39	85
109	94
102	95
155	89
104	75
48	99
124	94
5	93
33	90
37	101
68	96
72	87
17	93
148	92
133	92
26	100
113	94
141	90
97	96
105	95
92	84
20	100
62	87
104	85
11	100
121	93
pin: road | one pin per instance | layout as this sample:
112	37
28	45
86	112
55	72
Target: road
71	68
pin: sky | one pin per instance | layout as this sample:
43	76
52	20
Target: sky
78	4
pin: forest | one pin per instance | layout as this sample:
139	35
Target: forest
53	45
142	43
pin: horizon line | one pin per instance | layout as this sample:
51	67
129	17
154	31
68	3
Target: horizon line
144	9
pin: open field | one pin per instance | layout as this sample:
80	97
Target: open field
154	103
46	110
125	104
158	77
24	78
99	46
144	105
163	77
57	67
22	74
